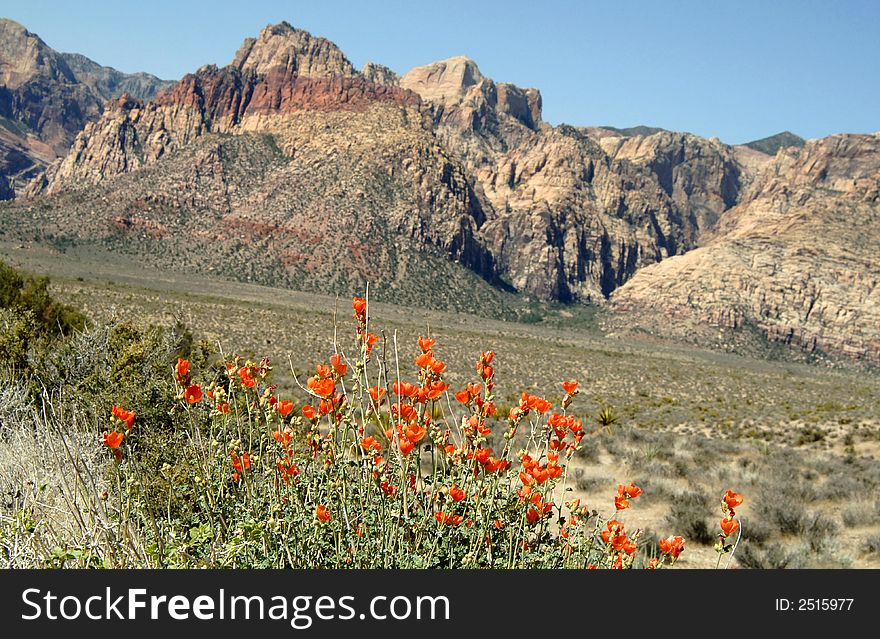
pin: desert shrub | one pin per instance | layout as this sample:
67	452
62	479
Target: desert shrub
31	320
855	515
23	293
774	555
819	529
688	514
784	515
18	331
872	545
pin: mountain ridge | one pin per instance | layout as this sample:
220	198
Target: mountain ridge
444	175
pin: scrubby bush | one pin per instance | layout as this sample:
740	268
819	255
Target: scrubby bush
688	513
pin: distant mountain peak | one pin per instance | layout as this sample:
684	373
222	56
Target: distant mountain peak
771	144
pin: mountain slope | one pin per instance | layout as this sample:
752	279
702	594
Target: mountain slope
797	258
46	98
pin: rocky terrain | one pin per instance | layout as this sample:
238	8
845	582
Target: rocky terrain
796	258
445	188
46	98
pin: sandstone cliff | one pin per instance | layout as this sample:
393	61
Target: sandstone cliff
796	258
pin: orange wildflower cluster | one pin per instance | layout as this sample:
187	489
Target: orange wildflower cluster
191	393
124	416
240	464
336	452
621	548
672	546
323	385
113	439
365	338
562	426
729	524
624	494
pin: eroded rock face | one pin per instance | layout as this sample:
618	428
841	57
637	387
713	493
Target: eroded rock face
284	49
380	74
575	213
796	258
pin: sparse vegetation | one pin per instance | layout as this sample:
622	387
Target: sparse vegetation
806	499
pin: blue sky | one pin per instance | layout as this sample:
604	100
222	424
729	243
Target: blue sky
738	69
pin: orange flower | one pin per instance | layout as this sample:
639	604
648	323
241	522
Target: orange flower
338	367
456	493
321	387
287	469
377	393
308	412
425	359
240	463
732	499
463	396
672	546
406	446
653	564
322	513
282	437
426	343
284	407
360	308
630	491
570	387
370	442
415	433
182	369
729	526
405	389
448	519
532	515
125	416
434	390
246	379
113	440
621	503
193	394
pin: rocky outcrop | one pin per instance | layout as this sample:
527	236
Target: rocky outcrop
702	177
380	74
284	49
796	258
576	212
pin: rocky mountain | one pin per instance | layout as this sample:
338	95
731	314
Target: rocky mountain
286	167
796	258
46	98
444	188
575	212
